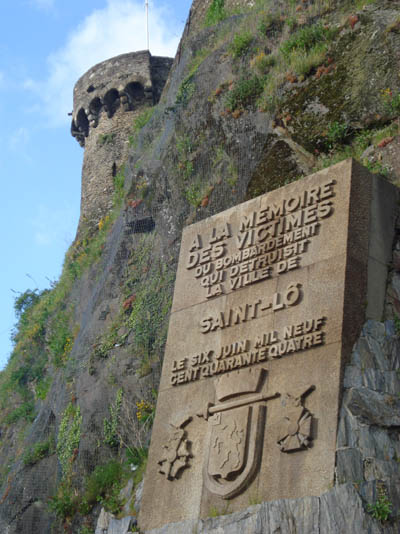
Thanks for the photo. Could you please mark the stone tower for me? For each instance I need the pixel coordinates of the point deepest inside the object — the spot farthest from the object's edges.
(106, 100)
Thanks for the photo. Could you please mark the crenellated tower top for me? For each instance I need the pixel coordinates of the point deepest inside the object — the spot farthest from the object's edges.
(106, 100)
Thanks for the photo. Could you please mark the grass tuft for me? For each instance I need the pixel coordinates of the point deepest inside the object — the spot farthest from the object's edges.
(244, 93)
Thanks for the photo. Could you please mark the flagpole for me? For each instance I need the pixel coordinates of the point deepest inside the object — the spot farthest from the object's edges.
(147, 24)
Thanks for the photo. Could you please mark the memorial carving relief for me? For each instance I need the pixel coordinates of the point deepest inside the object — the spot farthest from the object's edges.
(296, 425)
(269, 297)
(176, 452)
(235, 431)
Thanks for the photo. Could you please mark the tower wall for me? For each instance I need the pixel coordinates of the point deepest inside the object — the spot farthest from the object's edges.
(106, 100)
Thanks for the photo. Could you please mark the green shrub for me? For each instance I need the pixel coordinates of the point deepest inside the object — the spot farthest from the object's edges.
(65, 503)
(193, 194)
(42, 388)
(244, 93)
(102, 479)
(337, 133)
(112, 501)
(263, 62)
(24, 411)
(104, 486)
(39, 451)
(69, 436)
(110, 425)
(149, 313)
(377, 167)
(381, 509)
(140, 122)
(60, 338)
(215, 13)
(137, 455)
(269, 22)
(185, 91)
(291, 23)
(21, 375)
(105, 139)
(119, 192)
(25, 301)
(391, 100)
(140, 472)
(241, 44)
(302, 63)
(187, 87)
(362, 140)
(307, 38)
(184, 148)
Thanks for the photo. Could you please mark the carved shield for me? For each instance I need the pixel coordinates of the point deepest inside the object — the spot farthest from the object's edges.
(235, 433)
(234, 443)
(228, 443)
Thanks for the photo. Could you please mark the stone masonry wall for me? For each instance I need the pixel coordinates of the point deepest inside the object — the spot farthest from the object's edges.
(106, 100)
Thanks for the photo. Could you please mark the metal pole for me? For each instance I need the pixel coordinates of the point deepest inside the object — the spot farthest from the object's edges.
(147, 24)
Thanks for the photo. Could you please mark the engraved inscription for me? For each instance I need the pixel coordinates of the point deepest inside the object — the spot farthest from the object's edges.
(241, 353)
(251, 310)
(263, 244)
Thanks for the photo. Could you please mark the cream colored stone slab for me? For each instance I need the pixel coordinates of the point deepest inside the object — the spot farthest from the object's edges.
(250, 388)
(200, 242)
(322, 287)
(175, 494)
(376, 289)
(187, 352)
(382, 220)
(311, 472)
(295, 472)
(265, 237)
(328, 214)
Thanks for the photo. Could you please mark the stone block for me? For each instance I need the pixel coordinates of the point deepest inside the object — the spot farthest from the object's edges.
(270, 298)
(349, 466)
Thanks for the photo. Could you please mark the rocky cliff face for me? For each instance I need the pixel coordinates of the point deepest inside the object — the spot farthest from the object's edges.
(259, 94)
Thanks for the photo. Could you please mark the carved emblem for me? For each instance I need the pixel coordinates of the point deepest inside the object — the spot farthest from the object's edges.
(235, 431)
(295, 433)
(176, 452)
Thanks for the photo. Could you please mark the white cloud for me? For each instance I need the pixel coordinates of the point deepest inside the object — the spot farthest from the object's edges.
(52, 226)
(118, 28)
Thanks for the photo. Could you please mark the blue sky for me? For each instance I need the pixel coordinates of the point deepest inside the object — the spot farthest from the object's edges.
(45, 45)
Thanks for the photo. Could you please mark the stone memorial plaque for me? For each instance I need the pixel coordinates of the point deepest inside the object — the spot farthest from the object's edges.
(269, 298)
